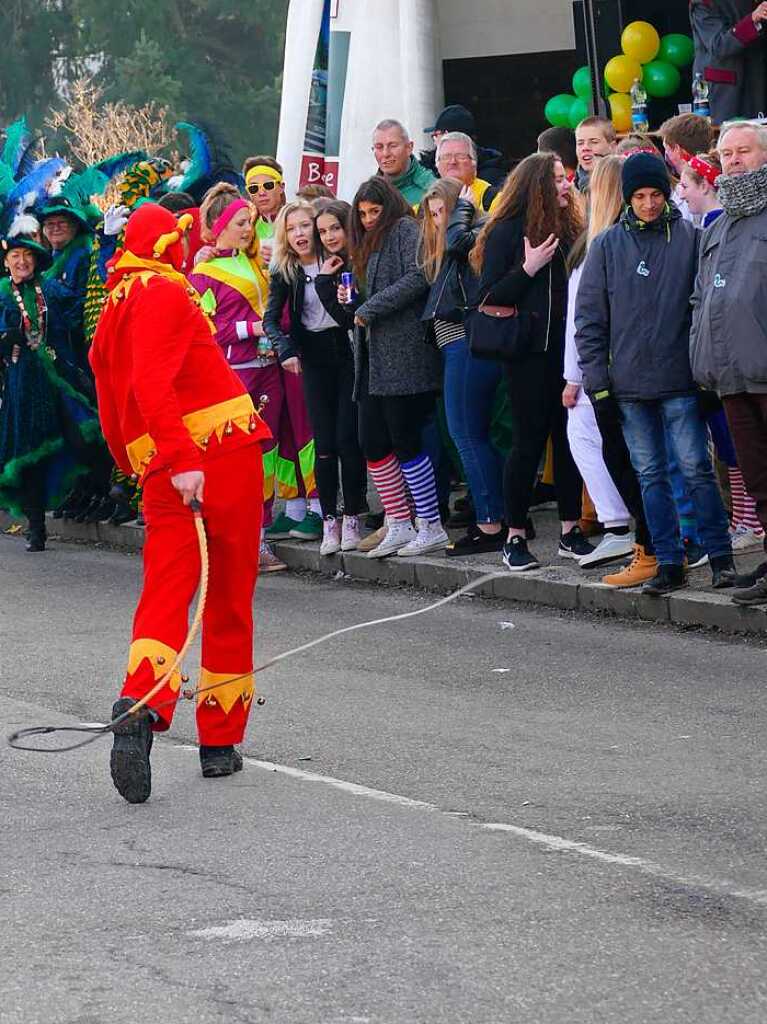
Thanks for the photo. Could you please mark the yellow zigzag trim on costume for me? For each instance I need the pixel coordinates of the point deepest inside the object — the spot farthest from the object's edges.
(217, 419)
(159, 654)
(227, 694)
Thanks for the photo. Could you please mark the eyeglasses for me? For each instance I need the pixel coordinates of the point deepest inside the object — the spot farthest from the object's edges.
(267, 186)
(459, 158)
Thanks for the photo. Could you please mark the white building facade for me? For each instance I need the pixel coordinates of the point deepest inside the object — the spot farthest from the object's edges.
(387, 59)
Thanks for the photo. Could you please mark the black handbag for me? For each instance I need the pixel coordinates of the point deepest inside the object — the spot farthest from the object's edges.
(501, 333)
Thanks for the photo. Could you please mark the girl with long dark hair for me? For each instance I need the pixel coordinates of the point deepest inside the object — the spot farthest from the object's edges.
(396, 374)
(520, 257)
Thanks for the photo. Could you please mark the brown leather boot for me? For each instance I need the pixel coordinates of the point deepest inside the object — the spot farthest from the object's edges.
(641, 568)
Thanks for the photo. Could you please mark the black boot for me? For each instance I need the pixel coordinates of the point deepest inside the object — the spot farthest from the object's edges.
(129, 760)
(723, 572)
(217, 762)
(122, 514)
(36, 534)
(667, 579)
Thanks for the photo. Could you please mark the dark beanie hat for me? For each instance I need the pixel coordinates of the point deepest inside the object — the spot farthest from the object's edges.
(643, 170)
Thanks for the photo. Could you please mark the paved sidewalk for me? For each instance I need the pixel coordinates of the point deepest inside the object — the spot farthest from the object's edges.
(559, 584)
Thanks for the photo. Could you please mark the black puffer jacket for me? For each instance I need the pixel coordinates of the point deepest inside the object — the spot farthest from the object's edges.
(633, 313)
(456, 285)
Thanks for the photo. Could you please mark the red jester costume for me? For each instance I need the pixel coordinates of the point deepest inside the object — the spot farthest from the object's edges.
(171, 407)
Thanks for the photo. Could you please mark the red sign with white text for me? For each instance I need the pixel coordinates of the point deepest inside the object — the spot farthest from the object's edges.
(317, 169)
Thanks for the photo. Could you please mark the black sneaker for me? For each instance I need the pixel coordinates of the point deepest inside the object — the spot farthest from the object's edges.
(723, 572)
(574, 545)
(667, 579)
(218, 762)
(749, 579)
(755, 594)
(694, 553)
(475, 542)
(516, 556)
(129, 761)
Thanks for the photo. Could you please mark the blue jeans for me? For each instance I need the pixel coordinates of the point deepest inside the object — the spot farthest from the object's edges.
(647, 427)
(470, 386)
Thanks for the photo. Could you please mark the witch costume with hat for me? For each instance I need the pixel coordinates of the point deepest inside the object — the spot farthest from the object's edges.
(47, 421)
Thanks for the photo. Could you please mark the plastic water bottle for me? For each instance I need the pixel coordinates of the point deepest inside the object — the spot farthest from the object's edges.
(700, 104)
(639, 122)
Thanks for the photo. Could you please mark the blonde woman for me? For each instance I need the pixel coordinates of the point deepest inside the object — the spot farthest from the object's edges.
(449, 229)
(315, 351)
(234, 288)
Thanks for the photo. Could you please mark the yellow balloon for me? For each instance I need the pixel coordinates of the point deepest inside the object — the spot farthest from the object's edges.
(620, 108)
(621, 71)
(640, 41)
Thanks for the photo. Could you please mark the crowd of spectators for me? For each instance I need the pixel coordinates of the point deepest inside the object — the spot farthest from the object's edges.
(590, 324)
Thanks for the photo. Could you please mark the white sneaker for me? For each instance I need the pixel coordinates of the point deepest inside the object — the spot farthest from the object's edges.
(331, 536)
(399, 532)
(430, 537)
(746, 539)
(350, 533)
(268, 561)
(611, 547)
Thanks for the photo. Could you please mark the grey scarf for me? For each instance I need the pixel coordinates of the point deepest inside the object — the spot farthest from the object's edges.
(743, 195)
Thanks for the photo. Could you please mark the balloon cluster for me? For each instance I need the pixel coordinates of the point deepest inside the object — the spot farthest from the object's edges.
(655, 61)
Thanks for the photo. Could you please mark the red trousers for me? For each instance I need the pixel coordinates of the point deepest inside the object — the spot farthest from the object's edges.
(232, 509)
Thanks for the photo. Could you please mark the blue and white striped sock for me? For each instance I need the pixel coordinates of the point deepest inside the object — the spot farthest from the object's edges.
(419, 477)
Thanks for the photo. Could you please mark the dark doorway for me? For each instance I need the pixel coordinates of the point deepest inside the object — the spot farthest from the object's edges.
(507, 95)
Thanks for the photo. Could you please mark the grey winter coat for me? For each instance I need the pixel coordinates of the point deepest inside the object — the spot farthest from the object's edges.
(392, 357)
(728, 342)
(730, 54)
(632, 313)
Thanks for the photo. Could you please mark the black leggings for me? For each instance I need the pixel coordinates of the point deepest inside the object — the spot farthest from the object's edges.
(333, 415)
(394, 423)
(535, 396)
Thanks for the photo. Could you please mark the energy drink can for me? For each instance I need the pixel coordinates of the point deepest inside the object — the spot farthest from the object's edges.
(347, 282)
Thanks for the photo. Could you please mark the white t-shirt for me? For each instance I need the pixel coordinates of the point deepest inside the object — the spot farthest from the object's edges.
(314, 316)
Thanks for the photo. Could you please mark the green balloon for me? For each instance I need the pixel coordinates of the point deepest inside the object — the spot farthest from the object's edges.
(677, 49)
(579, 109)
(557, 110)
(661, 79)
(582, 83)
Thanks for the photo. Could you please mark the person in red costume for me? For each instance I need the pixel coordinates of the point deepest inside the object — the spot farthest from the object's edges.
(175, 415)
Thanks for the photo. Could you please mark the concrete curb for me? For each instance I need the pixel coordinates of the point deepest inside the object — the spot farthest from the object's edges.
(549, 587)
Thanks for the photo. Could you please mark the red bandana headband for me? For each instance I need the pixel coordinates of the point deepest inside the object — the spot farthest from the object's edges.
(706, 170)
(226, 215)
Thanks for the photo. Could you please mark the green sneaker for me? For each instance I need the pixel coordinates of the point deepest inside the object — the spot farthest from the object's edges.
(281, 528)
(310, 528)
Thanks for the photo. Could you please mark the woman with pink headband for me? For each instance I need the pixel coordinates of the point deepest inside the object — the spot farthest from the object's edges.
(234, 287)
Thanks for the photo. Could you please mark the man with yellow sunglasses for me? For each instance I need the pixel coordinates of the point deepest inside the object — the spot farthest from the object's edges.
(266, 191)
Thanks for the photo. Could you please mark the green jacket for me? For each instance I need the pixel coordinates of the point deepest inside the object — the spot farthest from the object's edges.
(414, 182)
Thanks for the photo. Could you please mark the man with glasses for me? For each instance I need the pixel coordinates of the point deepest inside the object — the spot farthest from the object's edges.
(491, 165)
(266, 189)
(393, 152)
(457, 158)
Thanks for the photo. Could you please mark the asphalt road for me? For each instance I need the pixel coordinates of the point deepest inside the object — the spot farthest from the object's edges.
(489, 815)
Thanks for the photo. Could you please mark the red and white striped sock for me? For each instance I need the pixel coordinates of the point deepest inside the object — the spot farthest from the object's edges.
(743, 505)
(390, 484)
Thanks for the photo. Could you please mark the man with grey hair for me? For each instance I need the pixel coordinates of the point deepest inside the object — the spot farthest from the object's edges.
(728, 342)
(457, 158)
(393, 152)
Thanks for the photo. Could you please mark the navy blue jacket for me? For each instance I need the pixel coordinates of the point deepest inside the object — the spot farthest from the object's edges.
(633, 312)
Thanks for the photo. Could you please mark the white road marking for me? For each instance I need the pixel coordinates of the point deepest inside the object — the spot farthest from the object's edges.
(243, 929)
(719, 886)
(724, 887)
